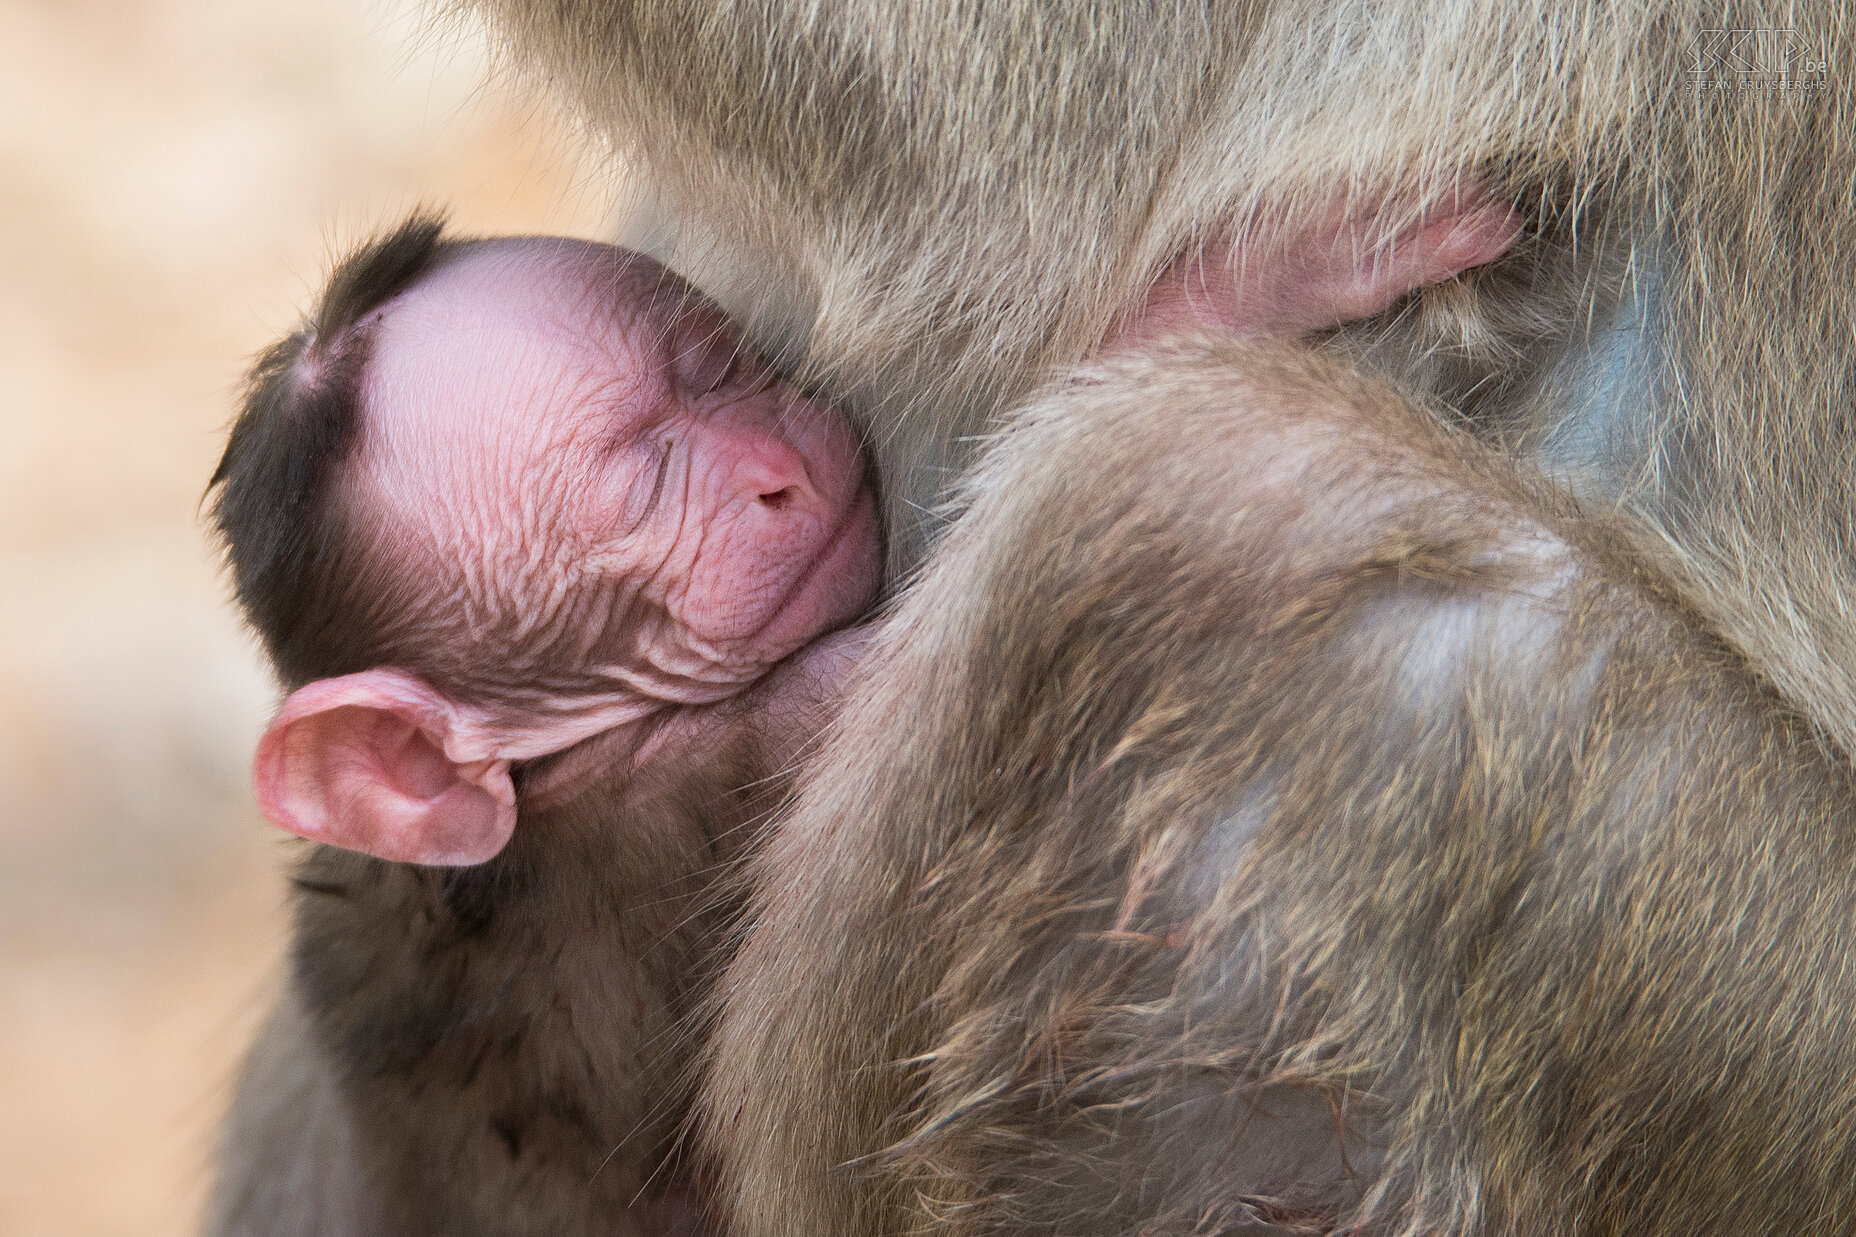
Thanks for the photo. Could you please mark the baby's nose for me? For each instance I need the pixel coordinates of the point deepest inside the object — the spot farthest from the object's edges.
(770, 472)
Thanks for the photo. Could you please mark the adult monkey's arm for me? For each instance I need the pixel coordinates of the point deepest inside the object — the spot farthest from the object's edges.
(1283, 812)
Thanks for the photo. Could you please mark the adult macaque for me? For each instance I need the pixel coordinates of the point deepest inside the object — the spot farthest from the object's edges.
(1521, 841)
(528, 534)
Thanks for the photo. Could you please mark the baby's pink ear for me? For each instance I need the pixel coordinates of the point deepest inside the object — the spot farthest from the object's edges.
(360, 762)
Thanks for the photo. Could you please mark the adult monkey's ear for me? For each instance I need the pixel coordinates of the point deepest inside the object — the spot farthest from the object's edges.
(381, 763)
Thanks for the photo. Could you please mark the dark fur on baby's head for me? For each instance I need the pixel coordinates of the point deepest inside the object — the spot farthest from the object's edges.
(292, 545)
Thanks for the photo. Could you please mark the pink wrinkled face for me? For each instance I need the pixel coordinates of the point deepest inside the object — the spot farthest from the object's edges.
(586, 465)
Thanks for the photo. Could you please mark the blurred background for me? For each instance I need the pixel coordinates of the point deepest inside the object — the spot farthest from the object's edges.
(174, 177)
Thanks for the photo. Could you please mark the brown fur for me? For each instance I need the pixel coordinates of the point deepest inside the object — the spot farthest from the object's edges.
(501, 1049)
(1286, 750)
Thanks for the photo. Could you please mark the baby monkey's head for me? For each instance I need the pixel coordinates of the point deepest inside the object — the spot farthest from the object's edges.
(541, 480)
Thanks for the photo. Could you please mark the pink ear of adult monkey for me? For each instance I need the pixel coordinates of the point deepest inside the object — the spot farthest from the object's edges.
(381, 763)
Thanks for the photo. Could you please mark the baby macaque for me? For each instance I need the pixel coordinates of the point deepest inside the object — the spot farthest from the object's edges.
(550, 564)
(529, 534)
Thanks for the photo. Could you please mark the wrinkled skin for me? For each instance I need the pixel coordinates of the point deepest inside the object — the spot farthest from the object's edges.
(544, 415)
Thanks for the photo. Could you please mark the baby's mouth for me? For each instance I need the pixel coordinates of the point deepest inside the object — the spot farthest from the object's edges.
(835, 586)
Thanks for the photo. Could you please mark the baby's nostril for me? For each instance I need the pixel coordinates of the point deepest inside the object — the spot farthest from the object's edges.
(780, 499)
